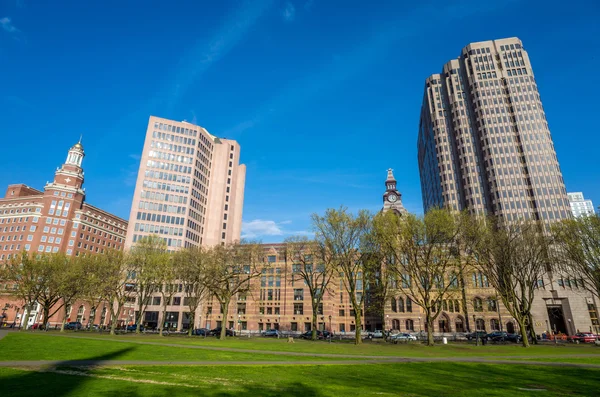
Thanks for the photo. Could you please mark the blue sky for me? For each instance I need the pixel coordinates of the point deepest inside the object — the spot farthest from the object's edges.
(323, 96)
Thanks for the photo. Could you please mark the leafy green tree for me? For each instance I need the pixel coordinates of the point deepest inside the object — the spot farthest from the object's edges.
(311, 267)
(577, 249)
(145, 261)
(21, 272)
(421, 255)
(514, 257)
(190, 266)
(229, 272)
(342, 235)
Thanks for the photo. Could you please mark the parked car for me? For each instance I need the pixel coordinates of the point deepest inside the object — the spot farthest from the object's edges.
(320, 335)
(402, 337)
(133, 328)
(584, 337)
(272, 333)
(74, 325)
(375, 334)
(501, 336)
(476, 334)
(201, 332)
(217, 332)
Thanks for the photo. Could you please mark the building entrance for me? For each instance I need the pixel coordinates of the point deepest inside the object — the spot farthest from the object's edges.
(557, 319)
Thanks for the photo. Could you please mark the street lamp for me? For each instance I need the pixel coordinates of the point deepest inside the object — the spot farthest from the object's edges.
(330, 329)
(239, 324)
(419, 327)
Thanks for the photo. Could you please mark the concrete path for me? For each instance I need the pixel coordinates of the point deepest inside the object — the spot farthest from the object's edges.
(104, 363)
(3, 333)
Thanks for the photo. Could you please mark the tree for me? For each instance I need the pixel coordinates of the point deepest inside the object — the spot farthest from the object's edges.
(22, 273)
(341, 236)
(57, 283)
(166, 280)
(514, 257)
(95, 279)
(190, 266)
(420, 249)
(72, 283)
(144, 262)
(577, 248)
(229, 272)
(310, 266)
(466, 238)
(118, 283)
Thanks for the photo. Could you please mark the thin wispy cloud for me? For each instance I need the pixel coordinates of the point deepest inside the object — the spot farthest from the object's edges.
(344, 66)
(269, 228)
(7, 25)
(289, 12)
(205, 53)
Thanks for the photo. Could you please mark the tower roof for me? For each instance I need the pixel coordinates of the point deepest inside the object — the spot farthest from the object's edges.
(390, 175)
(78, 146)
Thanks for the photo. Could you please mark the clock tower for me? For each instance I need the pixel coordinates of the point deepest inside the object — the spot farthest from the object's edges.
(392, 199)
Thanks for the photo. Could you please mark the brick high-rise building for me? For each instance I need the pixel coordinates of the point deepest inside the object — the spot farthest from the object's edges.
(484, 143)
(55, 220)
(484, 146)
(190, 187)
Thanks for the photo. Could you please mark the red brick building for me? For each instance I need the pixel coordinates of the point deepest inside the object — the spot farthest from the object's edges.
(56, 219)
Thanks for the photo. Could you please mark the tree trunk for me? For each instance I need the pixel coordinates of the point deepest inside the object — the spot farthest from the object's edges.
(26, 318)
(465, 306)
(523, 330)
(64, 321)
(140, 316)
(46, 312)
(357, 321)
(193, 325)
(225, 311)
(429, 321)
(92, 317)
(161, 325)
(113, 320)
(314, 324)
(531, 330)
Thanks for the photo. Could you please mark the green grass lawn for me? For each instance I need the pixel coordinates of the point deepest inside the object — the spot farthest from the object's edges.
(422, 379)
(378, 348)
(41, 346)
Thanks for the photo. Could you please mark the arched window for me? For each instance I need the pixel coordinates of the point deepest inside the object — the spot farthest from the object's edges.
(394, 307)
(410, 325)
(459, 324)
(444, 323)
(408, 305)
(401, 305)
(396, 324)
(80, 312)
(456, 306)
(492, 304)
(477, 305)
(480, 324)
(445, 305)
(103, 316)
(494, 324)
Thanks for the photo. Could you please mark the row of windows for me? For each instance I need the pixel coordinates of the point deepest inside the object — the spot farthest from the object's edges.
(173, 220)
(19, 211)
(184, 169)
(170, 157)
(178, 130)
(174, 148)
(173, 209)
(171, 198)
(158, 229)
(169, 241)
(165, 186)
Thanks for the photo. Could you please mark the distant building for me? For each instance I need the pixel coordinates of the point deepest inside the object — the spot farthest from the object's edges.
(190, 187)
(55, 220)
(484, 144)
(579, 205)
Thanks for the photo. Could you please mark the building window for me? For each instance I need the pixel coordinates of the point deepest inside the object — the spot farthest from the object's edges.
(410, 325)
(477, 305)
(298, 308)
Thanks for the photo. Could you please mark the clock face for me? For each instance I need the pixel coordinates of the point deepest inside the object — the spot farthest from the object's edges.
(392, 198)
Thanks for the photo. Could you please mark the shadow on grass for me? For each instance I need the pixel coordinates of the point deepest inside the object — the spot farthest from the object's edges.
(44, 380)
